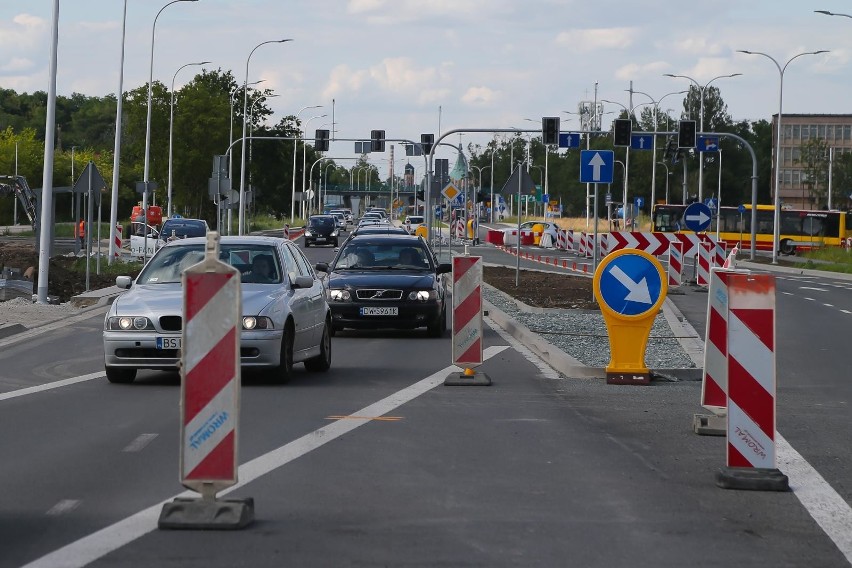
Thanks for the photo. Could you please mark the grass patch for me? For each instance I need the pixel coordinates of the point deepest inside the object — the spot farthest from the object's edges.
(833, 259)
(114, 269)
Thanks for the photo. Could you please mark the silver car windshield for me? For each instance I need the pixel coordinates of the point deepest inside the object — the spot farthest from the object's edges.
(258, 264)
(373, 256)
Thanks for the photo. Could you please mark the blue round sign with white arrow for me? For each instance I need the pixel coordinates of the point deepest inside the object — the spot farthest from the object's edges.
(630, 283)
(697, 217)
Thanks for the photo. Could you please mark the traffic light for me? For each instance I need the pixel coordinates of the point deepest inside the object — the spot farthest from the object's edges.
(671, 150)
(321, 141)
(427, 140)
(686, 134)
(550, 130)
(621, 131)
(377, 140)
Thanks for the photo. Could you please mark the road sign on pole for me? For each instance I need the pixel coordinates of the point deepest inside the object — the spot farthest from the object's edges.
(596, 166)
(708, 143)
(642, 141)
(697, 217)
(569, 139)
(630, 287)
(210, 395)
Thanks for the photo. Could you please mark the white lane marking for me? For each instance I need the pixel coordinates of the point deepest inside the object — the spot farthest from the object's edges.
(51, 386)
(788, 293)
(139, 443)
(809, 299)
(846, 311)
(64, 506)
(828, 305)
(547, 371)
(111, 538)
(831, 512)
(812, 288)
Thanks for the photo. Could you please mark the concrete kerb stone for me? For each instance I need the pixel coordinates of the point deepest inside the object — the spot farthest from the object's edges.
(96, 298)
(792, 270)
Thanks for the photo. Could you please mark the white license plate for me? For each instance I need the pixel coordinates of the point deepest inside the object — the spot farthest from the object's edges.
(389, 311)
(320, 239)
(168, 343)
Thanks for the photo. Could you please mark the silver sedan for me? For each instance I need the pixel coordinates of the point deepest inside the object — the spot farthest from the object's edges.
(286, 318)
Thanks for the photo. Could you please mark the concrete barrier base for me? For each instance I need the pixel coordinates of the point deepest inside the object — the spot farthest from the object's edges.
(461, 380)
(206, 514)
(752, 479)
(710, 425)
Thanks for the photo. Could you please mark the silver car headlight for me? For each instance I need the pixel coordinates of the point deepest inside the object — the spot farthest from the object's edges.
(337, 295)
(128, 323)
(309, 233)
(423, 295)
(334, 233)
(257, 322)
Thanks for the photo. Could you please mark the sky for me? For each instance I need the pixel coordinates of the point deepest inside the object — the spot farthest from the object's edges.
(429, 66)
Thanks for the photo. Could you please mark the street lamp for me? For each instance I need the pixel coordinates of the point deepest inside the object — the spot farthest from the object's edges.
(654, 143)
(171, 135)
(776, 232)
(251, 130)
(827, 13)
(701, 120)
(667, 184)
(242, 219)
(295, 151)
(147, 167)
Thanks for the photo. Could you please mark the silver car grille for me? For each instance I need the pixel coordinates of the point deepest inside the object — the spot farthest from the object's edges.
(378, 294)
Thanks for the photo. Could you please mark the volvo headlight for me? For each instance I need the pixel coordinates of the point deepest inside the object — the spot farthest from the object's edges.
(337, 295)
(334, 233)
(309, 233)
(257, 322)
(423, 295)
(129, 323)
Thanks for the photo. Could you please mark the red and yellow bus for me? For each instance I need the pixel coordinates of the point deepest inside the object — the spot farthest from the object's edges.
(800, 228)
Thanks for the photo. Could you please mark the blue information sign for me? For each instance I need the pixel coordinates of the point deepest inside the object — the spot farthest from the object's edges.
(708, 143)
(697, 217)
(596, 166)
(741, 208)
(640, 201)
(642, 141)
(569, 139)
(545, 198)
(630, 284)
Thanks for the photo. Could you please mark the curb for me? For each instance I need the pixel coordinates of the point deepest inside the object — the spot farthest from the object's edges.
(791, 270)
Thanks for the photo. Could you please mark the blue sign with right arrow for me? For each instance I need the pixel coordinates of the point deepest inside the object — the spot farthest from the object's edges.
(697, 217)
(596, 166)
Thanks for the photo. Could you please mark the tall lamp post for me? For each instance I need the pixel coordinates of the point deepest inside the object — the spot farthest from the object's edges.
(147, 168)
(296, 151)
(776, 231)
(701, 90)
(171, 135)
(479, 169)
(242, 219)
(654, 144)
(251, 132)
(667, 181)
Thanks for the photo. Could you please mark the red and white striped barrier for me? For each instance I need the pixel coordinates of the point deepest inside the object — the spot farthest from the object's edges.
(570, 240)
(675, 268)
(657, 243)
(705, 262)
(751, 370)
(117, 241)
(603, 244)
(721, 253)
(286, 230)
(581, 244)
(210, 369)
(467, 311)
(458, 229)
(561, 239)
(210, 397)
(510, 237)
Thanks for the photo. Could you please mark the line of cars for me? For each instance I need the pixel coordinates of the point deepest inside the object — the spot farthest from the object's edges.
(381, 277)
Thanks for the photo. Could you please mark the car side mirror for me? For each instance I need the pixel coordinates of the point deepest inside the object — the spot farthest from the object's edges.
(123, 282)
(303, 282)
(322, 266)
(444, 268)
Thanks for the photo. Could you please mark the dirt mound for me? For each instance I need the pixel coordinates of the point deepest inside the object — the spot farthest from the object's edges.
(65, 279)
(543, 289)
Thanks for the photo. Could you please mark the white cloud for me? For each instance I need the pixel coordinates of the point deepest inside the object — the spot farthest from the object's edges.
(395, 12)
(597, 38)
(16, 64)
(479, 96)
(23, 31)
(636, 71)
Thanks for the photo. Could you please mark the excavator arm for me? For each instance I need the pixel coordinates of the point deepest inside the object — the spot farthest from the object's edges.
(18, 186)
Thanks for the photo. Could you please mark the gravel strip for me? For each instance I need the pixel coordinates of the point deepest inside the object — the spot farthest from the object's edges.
(582, 334)
(29, 314)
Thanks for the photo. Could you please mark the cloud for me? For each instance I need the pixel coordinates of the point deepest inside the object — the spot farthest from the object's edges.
(16, 64)
(23, 31)
(597, 38)
(635, 70)
(394, 12)
(479, 96)
(399, 77)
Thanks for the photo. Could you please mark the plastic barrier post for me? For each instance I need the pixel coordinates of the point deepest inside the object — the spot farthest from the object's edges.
(751, 386)
(467, 321)
(210, 397)
(117, 239)
(705, 258)
(675, 268)
(286, 230)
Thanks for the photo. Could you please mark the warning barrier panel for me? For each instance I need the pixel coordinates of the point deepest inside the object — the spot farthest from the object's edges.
(705, 262)
(751, 370)
(117, 241)
(675, 268)
(467, 311)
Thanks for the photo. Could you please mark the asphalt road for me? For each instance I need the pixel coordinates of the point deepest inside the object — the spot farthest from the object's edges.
(535, 470)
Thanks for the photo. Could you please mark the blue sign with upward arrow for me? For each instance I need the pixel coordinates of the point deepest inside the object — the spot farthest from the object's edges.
(569, 139)
(697, 217)
(642, 142)
(630, 284)
(596, 166)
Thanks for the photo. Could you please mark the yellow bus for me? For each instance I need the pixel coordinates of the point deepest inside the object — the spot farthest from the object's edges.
(800, 228)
